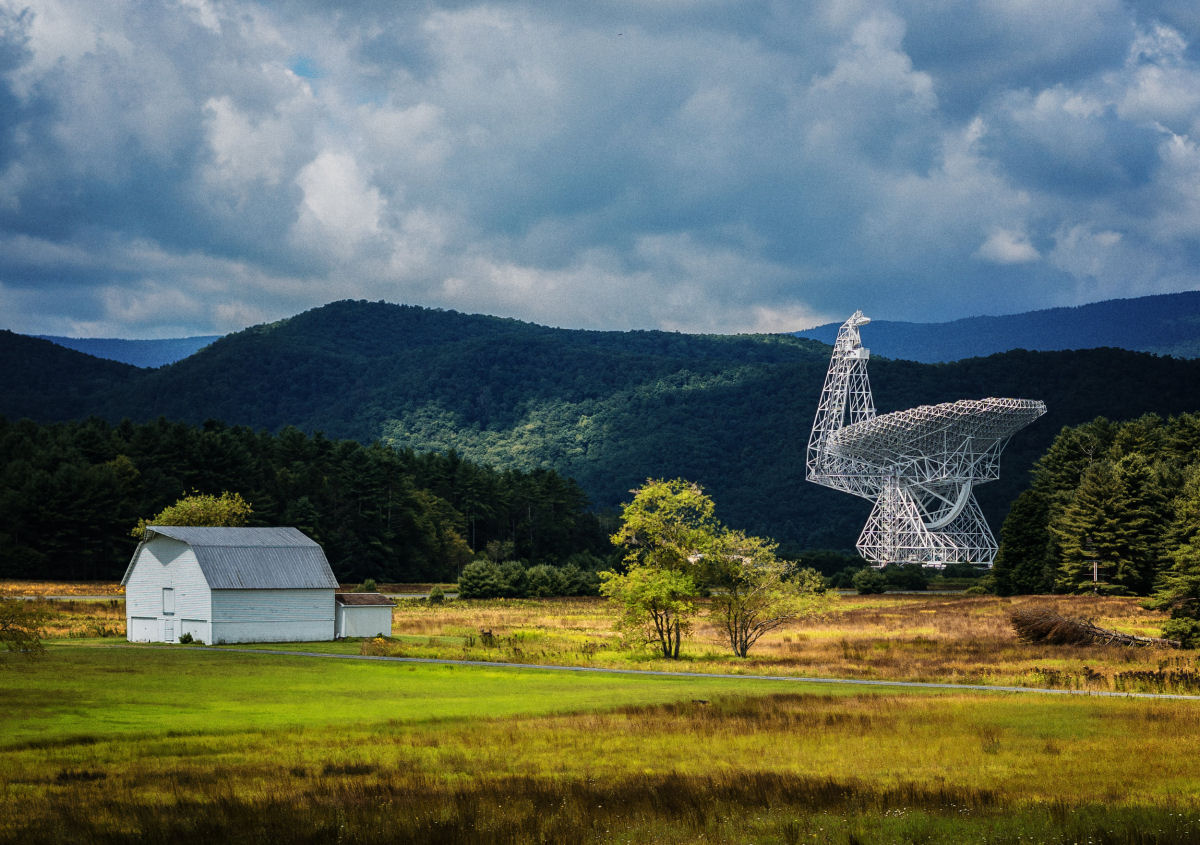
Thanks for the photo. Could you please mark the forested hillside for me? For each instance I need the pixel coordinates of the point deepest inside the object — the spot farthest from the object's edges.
(608, 409)
(71, 492)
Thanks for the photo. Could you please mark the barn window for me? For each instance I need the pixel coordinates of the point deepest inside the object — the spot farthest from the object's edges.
(168, 600)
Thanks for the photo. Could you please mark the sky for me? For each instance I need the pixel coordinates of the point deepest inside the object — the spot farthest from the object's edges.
(195, 167)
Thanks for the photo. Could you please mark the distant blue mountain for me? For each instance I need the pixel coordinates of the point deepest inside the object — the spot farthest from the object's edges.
(1168, 324)
(139, 353)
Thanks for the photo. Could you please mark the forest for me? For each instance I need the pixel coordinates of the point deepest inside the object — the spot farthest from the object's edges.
(70, 494)
(1113, 508)
(607, 409)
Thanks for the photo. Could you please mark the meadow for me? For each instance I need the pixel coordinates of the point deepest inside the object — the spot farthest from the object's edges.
(107, 742)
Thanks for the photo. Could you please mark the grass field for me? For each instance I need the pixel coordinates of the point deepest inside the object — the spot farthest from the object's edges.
(106, 742)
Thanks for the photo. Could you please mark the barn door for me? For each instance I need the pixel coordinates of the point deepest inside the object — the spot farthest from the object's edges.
(169, 630)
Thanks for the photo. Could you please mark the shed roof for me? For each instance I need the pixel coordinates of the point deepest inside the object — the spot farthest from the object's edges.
(363, 599)
(280, 558)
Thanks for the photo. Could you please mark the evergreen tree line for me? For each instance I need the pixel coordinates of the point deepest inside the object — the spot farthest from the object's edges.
(70, 493)
(1112, 508)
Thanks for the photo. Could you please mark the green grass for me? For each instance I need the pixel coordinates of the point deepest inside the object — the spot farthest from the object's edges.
(90, 691)
(179, 744)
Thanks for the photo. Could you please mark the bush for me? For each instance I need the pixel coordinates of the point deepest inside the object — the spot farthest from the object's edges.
(481, 579)
(580, 582)
(869, 581)
(543, 580)
(906, 576)
(367, 586)
(436, 595)
(185, 637)
(512, 574)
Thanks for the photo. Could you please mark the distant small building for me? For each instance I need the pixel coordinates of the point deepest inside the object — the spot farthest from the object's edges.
(363, 615)
(230, 585)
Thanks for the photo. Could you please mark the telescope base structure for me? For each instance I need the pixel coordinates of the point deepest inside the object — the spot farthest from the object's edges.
(919, 466)
(896, 532)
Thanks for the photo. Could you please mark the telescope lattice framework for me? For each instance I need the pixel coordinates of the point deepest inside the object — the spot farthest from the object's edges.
(919, 466)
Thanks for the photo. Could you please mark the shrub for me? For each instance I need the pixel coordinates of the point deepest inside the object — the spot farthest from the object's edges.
(185, 637)
(580, 582)
(367, 586)
(543, 580)
(906, 576)
(512, 574)
(481, 579)
(436, 595)
(868, 581)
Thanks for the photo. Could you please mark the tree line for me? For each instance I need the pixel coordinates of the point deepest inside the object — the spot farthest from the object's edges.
(1112, 508)
(70, 493)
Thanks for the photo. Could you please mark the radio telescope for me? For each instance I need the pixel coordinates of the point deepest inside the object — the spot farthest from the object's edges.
(919, 466)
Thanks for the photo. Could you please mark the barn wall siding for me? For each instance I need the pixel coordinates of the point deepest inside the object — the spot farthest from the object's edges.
(364, 621)
(163, 562)
(241, 616)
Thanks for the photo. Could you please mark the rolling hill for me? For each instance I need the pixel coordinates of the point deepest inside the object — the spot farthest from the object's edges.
(607, 408)
(1168, 324)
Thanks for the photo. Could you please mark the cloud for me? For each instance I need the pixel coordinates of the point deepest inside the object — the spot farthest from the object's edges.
(188, 167)
(1004, 246)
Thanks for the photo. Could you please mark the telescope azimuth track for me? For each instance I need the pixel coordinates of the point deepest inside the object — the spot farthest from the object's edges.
(919, 466)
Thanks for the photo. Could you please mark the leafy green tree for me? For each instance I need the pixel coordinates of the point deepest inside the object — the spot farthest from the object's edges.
(227, 509)
(754, 591)
(21, 628)
(665, 530)
(658, 605)
(666, 525)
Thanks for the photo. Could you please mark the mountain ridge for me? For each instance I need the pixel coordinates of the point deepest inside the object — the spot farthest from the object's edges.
(1162, 324)
(609, 409)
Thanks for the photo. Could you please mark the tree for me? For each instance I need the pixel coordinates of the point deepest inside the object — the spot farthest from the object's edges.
(21, 627)
(227, 509)
(1024, 563)
(1178, 588)
(658, 605)
(665, 531)
(754, 591)
(1111, 523)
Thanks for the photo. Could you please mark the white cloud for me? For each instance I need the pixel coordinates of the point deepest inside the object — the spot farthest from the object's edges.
(1005, 246)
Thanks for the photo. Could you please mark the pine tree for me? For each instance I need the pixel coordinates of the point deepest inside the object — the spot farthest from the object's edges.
(1178, 589)
(1024, 563)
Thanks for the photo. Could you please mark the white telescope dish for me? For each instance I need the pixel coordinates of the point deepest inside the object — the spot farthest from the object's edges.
(919, 466)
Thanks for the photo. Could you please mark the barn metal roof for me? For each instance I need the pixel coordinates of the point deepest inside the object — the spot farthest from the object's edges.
(280, 558)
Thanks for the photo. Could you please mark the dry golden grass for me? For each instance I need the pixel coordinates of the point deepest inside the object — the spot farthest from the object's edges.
(942, 638)
(60, 588)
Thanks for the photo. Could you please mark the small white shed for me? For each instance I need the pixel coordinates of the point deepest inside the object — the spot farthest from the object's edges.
(228, 585)
(363, 615)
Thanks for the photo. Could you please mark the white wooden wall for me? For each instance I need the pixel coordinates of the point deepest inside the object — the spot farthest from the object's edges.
(164, 562)
(364, 621)
(261, 616)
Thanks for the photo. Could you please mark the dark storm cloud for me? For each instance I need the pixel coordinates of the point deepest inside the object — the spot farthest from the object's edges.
(196, 166)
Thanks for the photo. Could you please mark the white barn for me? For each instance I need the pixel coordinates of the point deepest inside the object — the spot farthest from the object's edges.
(230, 585)
(363, 615)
